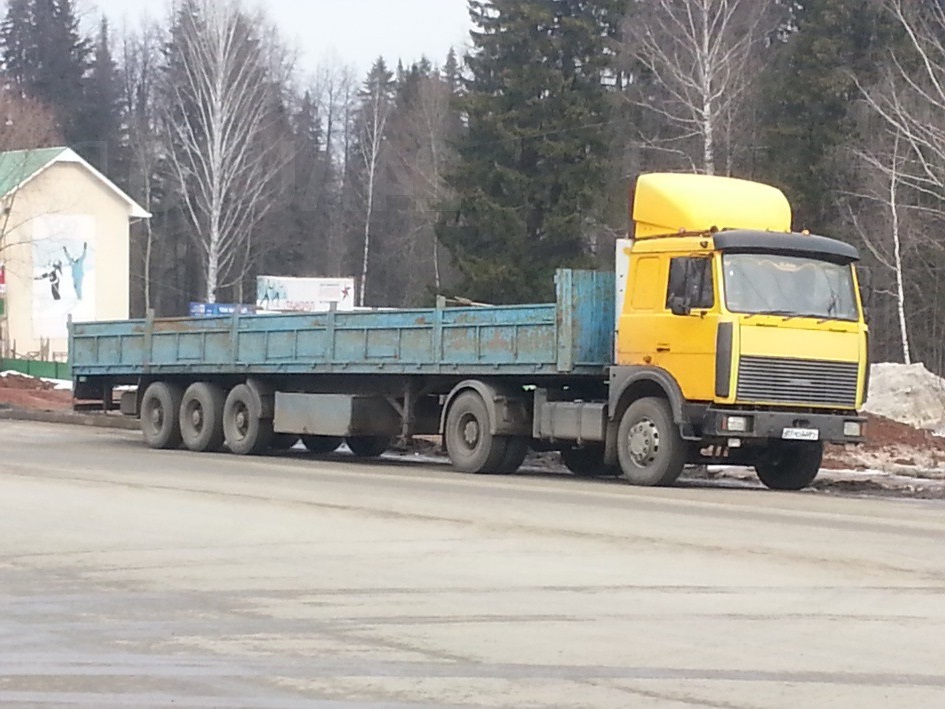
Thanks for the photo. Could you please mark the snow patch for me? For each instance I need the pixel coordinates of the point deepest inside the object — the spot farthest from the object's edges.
(909, 394)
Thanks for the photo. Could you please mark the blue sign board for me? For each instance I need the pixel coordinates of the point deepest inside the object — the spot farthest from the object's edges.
(216, 310)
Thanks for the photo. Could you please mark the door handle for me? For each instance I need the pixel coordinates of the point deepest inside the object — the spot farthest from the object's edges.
(663, 348)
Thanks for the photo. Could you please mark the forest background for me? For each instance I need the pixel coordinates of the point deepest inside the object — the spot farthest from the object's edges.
(477, 174)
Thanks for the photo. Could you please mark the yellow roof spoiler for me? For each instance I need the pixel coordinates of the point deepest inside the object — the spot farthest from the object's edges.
(664, 204)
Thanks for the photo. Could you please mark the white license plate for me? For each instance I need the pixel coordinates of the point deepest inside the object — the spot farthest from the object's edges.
(801, 434)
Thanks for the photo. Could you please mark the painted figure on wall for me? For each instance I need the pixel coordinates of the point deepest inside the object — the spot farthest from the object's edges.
(78, 268)
(53, 274)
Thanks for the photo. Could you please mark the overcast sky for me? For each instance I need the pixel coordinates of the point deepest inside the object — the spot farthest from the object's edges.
(354, 31)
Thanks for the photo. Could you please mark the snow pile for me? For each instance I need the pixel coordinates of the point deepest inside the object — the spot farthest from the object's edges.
(909, 394)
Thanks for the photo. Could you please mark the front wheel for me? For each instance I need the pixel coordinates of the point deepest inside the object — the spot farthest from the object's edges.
(649, 444)
(790, 465)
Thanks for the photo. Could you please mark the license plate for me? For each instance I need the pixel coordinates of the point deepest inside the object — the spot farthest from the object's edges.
(801, 434)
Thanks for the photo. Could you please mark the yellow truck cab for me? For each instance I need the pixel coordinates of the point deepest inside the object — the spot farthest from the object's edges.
(756, 333)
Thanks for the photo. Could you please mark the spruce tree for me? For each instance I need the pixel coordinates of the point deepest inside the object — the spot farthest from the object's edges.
(101, 128)
(810, 91)
(533, 160)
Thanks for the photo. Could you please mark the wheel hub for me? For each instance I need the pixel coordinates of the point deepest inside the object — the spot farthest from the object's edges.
(644, 443)
(157, 417)
(471, 433)
(196, 416)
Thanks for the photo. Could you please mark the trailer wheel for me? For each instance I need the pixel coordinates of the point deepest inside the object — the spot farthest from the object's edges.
(283, 441)
(245, 431)
(160, 415)
(368, 446)
(588, 462)
(468, 436)
(516, 449)
(321, 445)
(201, 417)
(649, 446)
(790, 465)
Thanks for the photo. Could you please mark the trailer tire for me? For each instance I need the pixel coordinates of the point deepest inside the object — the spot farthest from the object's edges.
(516, 449)
(283, 441)
(201, 417)
(790, 466)
(160, 415)
(468, 436)
(588, 462)
(368, 446)
(246, 432)
(649, 445)
(321, 445)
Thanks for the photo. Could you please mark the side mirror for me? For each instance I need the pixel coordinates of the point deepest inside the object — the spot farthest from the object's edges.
(679, 305)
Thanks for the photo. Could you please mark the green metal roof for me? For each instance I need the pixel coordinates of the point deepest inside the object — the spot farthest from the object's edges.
(19, 165)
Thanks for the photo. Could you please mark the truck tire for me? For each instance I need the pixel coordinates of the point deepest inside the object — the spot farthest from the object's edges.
(368, 446)
(201, 417)
(283, 441)
(160, 415)
(790, 465)
(321, 445)
(246, 433)
(516, 449)
(468, 436)
(588, 462)
(649, 445)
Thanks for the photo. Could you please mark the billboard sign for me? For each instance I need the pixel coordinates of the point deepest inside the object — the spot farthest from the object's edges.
(278, 294)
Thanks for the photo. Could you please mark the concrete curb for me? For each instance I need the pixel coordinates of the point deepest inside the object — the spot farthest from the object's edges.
(70, 418)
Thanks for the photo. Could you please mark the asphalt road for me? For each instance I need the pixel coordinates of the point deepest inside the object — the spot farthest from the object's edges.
(131, 577)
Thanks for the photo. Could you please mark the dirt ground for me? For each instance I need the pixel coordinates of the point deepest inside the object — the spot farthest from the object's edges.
(34, 394)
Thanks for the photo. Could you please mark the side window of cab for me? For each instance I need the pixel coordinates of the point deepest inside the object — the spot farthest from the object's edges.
(691, 285)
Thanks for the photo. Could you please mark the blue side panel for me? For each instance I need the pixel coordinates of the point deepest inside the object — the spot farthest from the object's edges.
(575, 334)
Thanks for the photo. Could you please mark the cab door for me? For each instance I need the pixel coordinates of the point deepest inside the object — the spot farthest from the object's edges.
(670, 320)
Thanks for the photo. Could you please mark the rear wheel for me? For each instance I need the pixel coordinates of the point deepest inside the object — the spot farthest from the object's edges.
(368, 446)
(321, 445)
(245, 431)
(790, 465)
(516, 449)
(160, 415)
(649, 445)
(201, 417)
(471, 446)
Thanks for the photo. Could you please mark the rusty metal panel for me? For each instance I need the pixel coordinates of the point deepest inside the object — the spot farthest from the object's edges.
(575, 334)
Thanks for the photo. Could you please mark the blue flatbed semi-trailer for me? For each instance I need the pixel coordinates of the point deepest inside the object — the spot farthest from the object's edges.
(255, 382)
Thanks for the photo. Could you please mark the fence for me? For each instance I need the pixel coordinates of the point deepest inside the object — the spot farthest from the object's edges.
(36, 368)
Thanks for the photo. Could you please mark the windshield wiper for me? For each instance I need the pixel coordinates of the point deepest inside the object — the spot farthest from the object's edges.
(786, 314)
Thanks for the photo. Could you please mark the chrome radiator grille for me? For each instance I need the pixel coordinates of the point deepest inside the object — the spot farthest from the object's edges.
(797, 381)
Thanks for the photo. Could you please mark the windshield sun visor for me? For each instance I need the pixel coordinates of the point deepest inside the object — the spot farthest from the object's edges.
(820, 247)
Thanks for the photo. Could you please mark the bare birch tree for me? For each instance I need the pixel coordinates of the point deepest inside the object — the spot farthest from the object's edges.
(225, 160)
(25, 126)
(375, 112)
(140, 67)
(699, 54)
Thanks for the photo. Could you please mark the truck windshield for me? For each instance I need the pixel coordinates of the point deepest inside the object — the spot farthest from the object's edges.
(792, 286)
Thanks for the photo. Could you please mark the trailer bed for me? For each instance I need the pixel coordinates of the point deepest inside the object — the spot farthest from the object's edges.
(574, 335)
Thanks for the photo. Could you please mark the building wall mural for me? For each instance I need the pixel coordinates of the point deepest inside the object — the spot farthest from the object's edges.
(63, 273)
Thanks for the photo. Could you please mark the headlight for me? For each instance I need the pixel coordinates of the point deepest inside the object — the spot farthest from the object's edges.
(852, 429)
(735, 424)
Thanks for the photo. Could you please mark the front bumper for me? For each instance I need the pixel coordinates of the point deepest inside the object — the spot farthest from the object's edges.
(772, 424)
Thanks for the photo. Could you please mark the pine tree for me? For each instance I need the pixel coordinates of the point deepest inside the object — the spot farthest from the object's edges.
(47, 58)
(810, 92)
(101, 127)
(533, 160)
